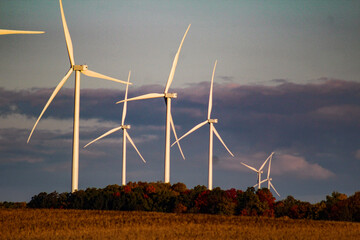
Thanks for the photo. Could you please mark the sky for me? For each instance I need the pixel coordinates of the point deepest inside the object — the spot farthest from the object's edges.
(287, 80)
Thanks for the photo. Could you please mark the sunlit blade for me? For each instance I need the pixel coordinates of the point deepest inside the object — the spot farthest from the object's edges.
(265, 162)
(132, 143)
(249, 167)
(218, 135)
(67, 36)
(262, 181)
(7, 31)
(268, 175)
(191, 130)
(56, 90)
(176, 58)
(271, 185)
(211, 91)
(104, 135)
(125, 103)
(98, 75)
(176, 138)
(142, 97)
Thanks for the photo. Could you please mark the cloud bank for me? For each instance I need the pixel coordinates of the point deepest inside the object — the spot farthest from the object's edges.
(313, 128)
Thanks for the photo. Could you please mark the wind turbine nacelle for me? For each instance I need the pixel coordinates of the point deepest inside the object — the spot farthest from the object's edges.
(80, 67)
(171, 95)
(126, 126)
(213, 120)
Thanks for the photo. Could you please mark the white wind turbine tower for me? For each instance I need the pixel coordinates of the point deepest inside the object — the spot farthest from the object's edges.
(212, 130)
(268, 179)
(125, 135)
(78, 69)
(169, 120)
(259, 171)
(7, 32)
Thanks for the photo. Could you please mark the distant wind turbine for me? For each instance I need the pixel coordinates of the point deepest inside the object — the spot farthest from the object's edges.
(7, 32)
(78, 69)
(259, 171)
(125, 135)
(169, 120)
(212, 130)
(268, 179)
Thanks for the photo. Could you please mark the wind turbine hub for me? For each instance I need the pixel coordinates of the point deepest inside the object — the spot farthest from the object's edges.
(212, 120)
(126, 126)
(170, 95)
(80, 67)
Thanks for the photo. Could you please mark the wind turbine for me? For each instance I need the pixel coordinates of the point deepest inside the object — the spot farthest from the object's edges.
(259, 171)
(7, 31)
(169, 120)
(211, 122)
(268, 179)
(78, 69)
(125, 135)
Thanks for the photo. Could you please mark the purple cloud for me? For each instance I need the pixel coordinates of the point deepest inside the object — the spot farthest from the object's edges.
(313, 127)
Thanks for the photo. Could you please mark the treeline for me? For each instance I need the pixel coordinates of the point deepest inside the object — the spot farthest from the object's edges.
(161, 197)
(13, 205)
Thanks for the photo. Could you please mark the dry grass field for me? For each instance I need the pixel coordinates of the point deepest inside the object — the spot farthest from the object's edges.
(91, 224)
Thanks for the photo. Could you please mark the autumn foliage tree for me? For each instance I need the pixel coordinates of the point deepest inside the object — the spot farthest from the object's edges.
(163, 197)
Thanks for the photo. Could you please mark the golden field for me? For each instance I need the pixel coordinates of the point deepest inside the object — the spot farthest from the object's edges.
(93, 224)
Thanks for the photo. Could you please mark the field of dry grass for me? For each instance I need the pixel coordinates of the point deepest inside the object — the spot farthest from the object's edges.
(91, 224)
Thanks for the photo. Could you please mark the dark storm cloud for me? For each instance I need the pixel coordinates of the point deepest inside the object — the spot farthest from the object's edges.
(329, 102)
(313, 128)
(316, 124)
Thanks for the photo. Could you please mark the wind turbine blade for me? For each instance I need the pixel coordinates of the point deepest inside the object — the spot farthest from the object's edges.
(67, 36)
(145, 96)
(176, 58)
(249, 167)
(269, 168)
(125, 103)
(7, 31)
(133, 144)
(262, 181)
(191, 130)
(56, 90)
(265, 162)
(271, 185)
(176, 138)
(104, 135)
(255, 185)
(98, 75)
(211, 91)
(218, 135)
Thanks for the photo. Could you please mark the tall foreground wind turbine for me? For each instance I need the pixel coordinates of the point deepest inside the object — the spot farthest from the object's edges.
(211, 122)
(125, 135)
(7, 31)
(169, 120)
(78, 69)
(259, 171)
